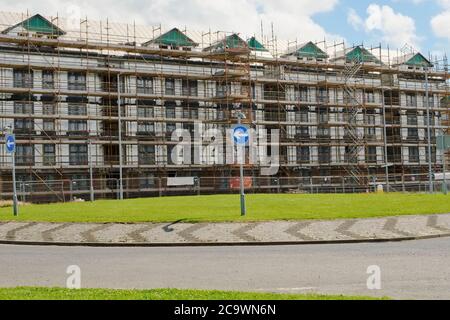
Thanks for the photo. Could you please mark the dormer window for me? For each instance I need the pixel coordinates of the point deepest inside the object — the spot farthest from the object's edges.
(172, 40)
(37, 26)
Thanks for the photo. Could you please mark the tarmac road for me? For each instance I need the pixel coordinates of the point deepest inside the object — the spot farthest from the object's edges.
(410, 270)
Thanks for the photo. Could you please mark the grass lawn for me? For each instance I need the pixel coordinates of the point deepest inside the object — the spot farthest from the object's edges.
(159, 294)
(223, 208)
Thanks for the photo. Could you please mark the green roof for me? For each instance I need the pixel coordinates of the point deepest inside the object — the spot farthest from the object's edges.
(231, 42)
(310, 50)
(419, 60)
(362, 55)
(255, 45)
(174, 38)
(38, 24)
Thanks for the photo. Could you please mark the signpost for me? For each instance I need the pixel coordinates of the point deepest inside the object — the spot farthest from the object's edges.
(10, 143)
(443, 144)
(241, 138)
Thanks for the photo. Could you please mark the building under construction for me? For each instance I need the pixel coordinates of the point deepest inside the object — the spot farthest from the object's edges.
(95, 103)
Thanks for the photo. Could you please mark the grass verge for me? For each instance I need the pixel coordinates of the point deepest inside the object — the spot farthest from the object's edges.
(29, 293)
(226, 208)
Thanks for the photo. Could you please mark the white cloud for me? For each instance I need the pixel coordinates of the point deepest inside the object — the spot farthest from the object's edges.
(441, 22)
(392, 27)
(292, 18)
(354, 19)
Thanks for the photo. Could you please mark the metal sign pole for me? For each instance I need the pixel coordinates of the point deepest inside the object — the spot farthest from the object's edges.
(10, 144)
(15, 202)
(443, 144)
(241, 138)
(429, 114)
(119, 107)
(91, 175)
(445, 174)
(243, 206)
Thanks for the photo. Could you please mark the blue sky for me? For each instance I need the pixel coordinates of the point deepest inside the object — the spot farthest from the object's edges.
(420, 11)
(423, 24)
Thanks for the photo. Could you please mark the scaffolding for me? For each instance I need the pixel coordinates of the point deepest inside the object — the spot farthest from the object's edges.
(100, 104)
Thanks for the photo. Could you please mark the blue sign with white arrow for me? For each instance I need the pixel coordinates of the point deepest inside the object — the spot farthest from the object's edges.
(241, 135)
(10, 143)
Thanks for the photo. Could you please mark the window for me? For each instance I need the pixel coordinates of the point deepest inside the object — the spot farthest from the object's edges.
(48, 125)
(170, 128)
(351, 155)
(303, 154)
(414, 154)
(323, 132)
(49, 154)
(48, 81)
(411, 100)
(370, 121)
(76, 81)
(146, 127)
(433, 155)
(322, 95)
(170, 112)
(146, 155)
(144, 85)
(302, 115)
(77, 109)
(190, 88)
(371, 154)
(77, 127)
(190, 113)
(323, 116)
(222, 89)
(412, 119)
(24, 155)
(78, 154)
(324, 154)
(80, 182)
(189, 127)
(49, 109)
(430, 101)
(301, 94)
(348, 98)
(146, 112)
(24, 125)
(370, 97)
(302, 132)
(431, 117)
(170, 87)
(23, 78)
(24, 107)
(147, 181)
(413, 133)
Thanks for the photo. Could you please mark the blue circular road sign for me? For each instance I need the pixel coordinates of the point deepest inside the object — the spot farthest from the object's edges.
(10, 143)
(241, 135)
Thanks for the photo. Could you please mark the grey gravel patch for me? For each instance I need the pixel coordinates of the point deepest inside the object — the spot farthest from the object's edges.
(434, 223)
(344, 229)
(391, 226)
(242, 232)
(89, 235)
(137, 235)
(296, 231)
(48, 234)
(11, 234)
(187, 234)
